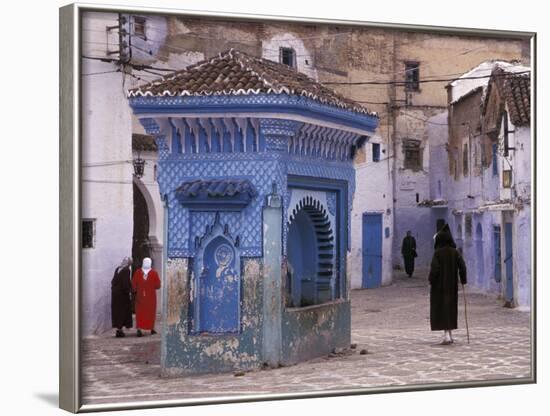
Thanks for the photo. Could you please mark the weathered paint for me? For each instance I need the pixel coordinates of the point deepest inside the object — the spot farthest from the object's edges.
(315, 330)
(187, 353)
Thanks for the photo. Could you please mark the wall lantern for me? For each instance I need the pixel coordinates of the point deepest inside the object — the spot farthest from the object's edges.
(139, 166)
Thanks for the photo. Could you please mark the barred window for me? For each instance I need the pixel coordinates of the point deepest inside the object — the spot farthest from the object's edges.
(139, 26)
(412, 76)
(413, 154)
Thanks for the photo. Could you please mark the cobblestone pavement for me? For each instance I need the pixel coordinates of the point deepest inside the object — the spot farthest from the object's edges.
(391, 323)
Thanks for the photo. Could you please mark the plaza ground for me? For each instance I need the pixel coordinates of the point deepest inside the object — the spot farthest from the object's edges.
(391, 323)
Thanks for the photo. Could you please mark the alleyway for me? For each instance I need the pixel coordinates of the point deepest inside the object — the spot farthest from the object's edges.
(391, 323)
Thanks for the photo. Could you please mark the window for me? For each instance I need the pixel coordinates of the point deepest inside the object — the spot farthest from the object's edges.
(139, 26)
(506, 178)
(506, 134)
(376, 152)
(465, 157)
(88, 233)
(287, 56)
(412, 76)
(412, 152)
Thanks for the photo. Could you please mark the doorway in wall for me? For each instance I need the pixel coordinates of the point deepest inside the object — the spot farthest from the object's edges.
(141, 246)
(372, 250)
(480, 259)
(508, 264)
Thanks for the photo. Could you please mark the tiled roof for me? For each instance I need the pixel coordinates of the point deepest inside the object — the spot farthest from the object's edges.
(216, 188)
(236, 73)
(143, 142)
(515, 88)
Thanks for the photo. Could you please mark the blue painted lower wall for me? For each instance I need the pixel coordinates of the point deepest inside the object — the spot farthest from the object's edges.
(183, 353)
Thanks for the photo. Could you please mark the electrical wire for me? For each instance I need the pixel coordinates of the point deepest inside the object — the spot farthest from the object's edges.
(404, 83)
(101, 73)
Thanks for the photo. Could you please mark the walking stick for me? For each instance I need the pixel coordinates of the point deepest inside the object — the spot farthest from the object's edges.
(466, 314)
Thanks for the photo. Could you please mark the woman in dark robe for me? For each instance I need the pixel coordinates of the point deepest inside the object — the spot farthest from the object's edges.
(121, 298)
(408, 250)
(446, 268)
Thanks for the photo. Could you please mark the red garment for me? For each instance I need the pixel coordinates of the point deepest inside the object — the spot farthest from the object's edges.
(145, 298)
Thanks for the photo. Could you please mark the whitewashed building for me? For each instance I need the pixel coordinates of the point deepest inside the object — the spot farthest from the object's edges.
(481, 177)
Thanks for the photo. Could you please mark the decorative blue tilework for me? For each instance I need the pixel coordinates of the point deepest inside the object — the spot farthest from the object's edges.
(150, 125)
(261, 103)
(284, 147)
(331, 202)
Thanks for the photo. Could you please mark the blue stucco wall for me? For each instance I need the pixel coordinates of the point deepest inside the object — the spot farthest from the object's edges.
(269, 154)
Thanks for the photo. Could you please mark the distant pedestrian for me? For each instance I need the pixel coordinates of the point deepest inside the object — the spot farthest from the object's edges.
(121, 297)
(446, 268)
(145, 284)
(408, 250)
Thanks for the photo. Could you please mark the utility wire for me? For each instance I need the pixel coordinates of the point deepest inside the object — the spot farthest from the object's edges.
(136, 66)
(423, 81)
(101, 73)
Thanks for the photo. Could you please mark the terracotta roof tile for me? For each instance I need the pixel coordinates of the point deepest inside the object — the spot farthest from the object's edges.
(236, 73)
(516, 90)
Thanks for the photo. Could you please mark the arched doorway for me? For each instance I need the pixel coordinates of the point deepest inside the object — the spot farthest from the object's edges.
(480, 259)
(141, 246)
(311, 254)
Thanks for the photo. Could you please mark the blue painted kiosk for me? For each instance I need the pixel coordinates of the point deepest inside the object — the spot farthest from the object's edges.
(255, 171)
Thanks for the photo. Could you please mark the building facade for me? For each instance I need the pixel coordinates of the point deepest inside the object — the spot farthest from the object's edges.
(485, 170)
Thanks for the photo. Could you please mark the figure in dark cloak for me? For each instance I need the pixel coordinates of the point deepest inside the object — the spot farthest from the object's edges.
(408, 250)
(121, 298)
(446, 269)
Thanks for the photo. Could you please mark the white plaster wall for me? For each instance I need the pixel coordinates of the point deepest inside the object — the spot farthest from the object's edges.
(106, 173)
(438, 137)
(408, 215)
(482, 188)
(522, 257)
(522, 225)
(373, 193)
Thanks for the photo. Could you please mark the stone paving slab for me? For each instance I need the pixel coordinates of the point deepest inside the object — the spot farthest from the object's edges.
(391, 323)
